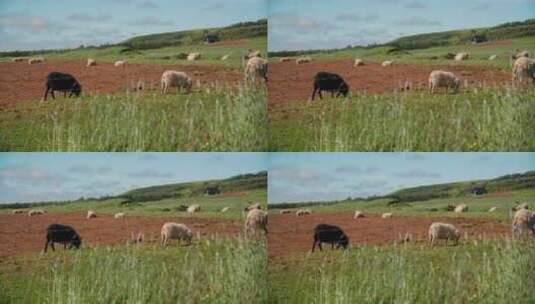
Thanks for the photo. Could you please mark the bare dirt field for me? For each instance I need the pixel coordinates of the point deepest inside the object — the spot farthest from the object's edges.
(291, 82)
(21, 234)
(289, 234)
(20, 81)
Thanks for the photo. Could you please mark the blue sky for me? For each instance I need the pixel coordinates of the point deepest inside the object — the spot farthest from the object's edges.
(298, 177)
(28, 177)
(315, 24)
(52, 24)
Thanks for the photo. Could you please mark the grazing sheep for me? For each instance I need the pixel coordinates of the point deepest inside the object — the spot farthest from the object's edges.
(443, 231)
(176, 231)
(35, 60)
(225, 209)
(65, 235)
(492, 209)
(329, 234)
(358, 214)
(330, 82)
(285, 211)
(177, 79)
(120, 63)
(302, 212)
(62, 82)
(521, 206)
(256, 221)
(194, 208)
(256, 68)
(119, 215)
(17, 211)
(91, 214)
(36, 212)
(523, 53)
(444, 79)
(387, 63)
(194, 56)
(523, 69)
(524, 220)
(303, 60)
(461, 56)
(285, 59)
(91, 62)
(386, 215)
(461, 208)
(492, 57)
(358, 62)
(253, 54)
(17, 59)
(225, 57)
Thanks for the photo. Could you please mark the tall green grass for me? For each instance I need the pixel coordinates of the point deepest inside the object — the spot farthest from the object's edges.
(209, 271)
(212, 119)
(479, 119)
(482, 271)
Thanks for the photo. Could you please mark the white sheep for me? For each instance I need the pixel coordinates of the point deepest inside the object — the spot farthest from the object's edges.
(303, 60)
(285, 211)
(521, 206)
(492, 209)
(91, 62)
(253, 206)
(285, 59)
(177, 79)
(91, 214)
(194, 208)
(387, 63)
(194, 56)
(17, 211)
(35, 60)
(256, 68)
(225, 57)
(461, 208)
(492, 57)
(461, 56)
(302, 212)
(253, 54)
(256, 221)
(443, 231)
(523, 53)
(386, 215)
(120, 63)
(17, 59)
(445, 79)
(119, 215)
(225, 209)
(36, 212)
(358, 62)
(523, 69)
(358, 214)
(175, 231)
(524, 220)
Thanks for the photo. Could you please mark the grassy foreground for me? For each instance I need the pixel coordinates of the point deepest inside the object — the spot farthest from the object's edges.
(479, 271)
(213, 119)
(209, 271)
(479, 119)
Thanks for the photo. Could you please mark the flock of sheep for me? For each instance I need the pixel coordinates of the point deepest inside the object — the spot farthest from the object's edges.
(256, 221)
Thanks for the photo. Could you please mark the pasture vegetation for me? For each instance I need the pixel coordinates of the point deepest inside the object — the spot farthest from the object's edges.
(210, 119)
(209, 271)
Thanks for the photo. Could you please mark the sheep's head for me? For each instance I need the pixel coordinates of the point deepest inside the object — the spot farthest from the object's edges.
(76, 242)
(344, 89)
(76, 89)
(344, 242)
(457, 234)
(456, 83)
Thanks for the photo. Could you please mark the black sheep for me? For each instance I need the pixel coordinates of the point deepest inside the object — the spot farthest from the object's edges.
(330, 234)
(325, 81)
(57, 81)
(65, 235)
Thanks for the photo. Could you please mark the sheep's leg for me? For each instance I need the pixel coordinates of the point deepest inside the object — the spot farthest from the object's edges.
(163, 240)
(319, 93)
(65, 246)
(313, 93)
(314, 245)
(46, 245)
(52, 245)
(46, 92)
(52, 93)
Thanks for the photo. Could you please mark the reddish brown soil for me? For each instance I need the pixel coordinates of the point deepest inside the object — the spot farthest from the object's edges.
(20, 234)
(290, 82)
(289, 234)
(20, 81)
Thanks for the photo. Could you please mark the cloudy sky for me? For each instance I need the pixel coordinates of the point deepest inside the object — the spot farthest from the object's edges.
(298, 177)
(316, 24)
(53, 24)
(30, 177)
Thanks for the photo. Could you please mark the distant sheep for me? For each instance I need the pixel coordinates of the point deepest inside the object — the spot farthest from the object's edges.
(524, 220)
(225, 209)
(302, 212)
(17, 211)
(492, 57)
(285, 59)
(521, 206)
(523, 70)
(34, 212)
(35, 60)
(119, 215)
(120, 63)
(225, 57)
(443, 79)
(176, 79)
(523, 53)
(285, 211)
(358, 62)
(18, 59)
(330, 82)
(330, 234)
(386, 215)
(253, 54)
(194, 56)
(358, 214)
(251, 207)
(461, 56)
(175, 231)
(492, 209)
(303, 60)
(194, 208)
(443, 231)
(256, 68)
(62, 234)
(387, 63)
(91, 62)
(461, 208)
(91, 214)
(256, 221)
